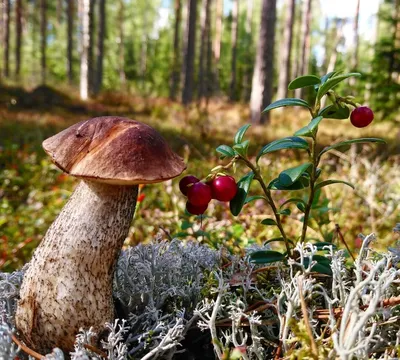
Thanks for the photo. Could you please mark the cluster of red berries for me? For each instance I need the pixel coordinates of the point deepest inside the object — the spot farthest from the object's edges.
(199, 194)
(362, 116)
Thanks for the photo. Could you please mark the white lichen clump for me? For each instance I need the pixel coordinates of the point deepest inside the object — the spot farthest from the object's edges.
(166, 289)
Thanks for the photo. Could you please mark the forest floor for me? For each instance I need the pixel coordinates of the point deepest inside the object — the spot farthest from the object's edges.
(32, 191)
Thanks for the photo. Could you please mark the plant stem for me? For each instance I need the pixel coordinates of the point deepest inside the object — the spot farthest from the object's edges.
(267, 192)
(313, 179)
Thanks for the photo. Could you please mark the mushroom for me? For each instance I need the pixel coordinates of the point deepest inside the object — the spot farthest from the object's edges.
(68, 284)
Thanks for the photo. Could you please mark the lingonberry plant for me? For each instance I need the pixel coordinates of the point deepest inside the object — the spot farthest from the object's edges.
(307, 176)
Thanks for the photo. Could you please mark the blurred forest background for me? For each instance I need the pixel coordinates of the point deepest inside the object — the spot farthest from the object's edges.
(196, 71)
(238, 50)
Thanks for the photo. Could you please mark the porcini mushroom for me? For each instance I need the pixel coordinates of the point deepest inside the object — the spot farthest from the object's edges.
(68, 284)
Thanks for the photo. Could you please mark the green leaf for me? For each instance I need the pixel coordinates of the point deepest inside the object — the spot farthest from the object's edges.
(226, 151)
(287, 102)
(285, 212)
(296, 200)
(280, 239)
(289, 176)
(329, 182)
(266, 257)
(299, 184)
(268, 222)
(332, 82)
(242, 148)
(255, 197)
(322, 244)
(353, 141)
(322, 266)
(240, 133)
(335, 112)
(238, 201)
(186, 225)
(290, 142)
(328, 76)
(310, 129)
(301, 207)
(317, 195)
(304, 81)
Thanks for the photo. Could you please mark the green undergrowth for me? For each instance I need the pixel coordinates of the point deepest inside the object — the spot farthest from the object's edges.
(33, 191)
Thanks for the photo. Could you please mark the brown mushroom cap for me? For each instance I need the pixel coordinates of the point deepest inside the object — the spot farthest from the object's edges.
(114, 150)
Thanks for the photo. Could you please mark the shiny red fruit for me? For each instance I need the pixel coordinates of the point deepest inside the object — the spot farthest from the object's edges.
(185, 181)
(224, 188)
(196, 210)
(199, 194)
(361, 116)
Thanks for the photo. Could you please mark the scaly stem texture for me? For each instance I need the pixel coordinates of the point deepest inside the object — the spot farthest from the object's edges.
(68, 284)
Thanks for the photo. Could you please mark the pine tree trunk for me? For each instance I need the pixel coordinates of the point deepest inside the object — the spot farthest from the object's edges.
(18, 37)
(70, 41)
(175, 74)
(209, 62)
(59, 11)
(261, 91)
(189, 55)
(100, 47)
(354, 58)
(286, 51)
(217, 42)
(234, 39)
(6, 40)
(121, 45)
(334, 52)
(305, 42)
(43, 38)
(85, 40)
(91, 62)
(203, 77)
(393, 72)
(248, 39)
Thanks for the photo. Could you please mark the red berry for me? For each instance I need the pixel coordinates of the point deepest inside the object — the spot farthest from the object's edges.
(361, 116)
(185, 181)
(199, 194)
(195, 210)
(224, 188)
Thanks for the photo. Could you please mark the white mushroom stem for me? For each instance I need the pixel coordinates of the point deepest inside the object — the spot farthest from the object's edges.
(68, 283)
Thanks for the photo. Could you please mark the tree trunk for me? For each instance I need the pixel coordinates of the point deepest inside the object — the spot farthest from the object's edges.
(18, 37)
(100, 47)
(43, 38)
(121, 45)
(209, 62)
(175, 74)
(354, 57)
(203, 76)
(305, 42)
(6, 40)
(217, 42)
(286, 50)
(59, 11)
(234, 39)
(261, 91)
(189, 55)
(91, 62)
(248, 40)
(85, 40)
(393, 73)
(70, 41)
(334, 52)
